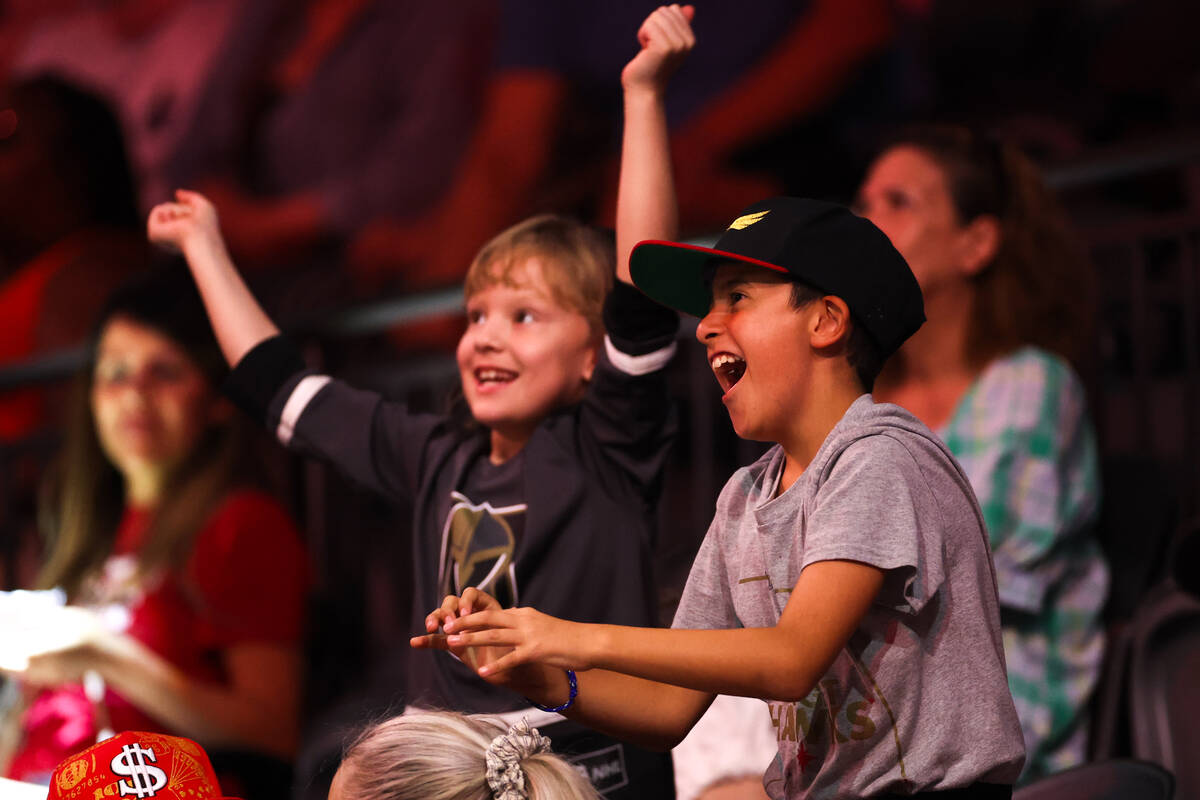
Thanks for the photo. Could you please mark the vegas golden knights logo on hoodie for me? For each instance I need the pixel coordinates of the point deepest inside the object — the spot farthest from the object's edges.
(477, 549)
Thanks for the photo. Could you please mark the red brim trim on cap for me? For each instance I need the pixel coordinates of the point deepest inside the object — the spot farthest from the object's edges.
(672, 273)
(713, 252)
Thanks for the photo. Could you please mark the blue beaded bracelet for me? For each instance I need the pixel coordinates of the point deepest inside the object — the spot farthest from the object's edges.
(571, 695)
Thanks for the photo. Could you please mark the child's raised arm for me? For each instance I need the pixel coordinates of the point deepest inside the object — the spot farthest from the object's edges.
(189, 226)
(646, 206)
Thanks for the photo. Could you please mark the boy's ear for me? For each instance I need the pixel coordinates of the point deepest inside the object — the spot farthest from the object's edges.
(589, 363)
(830, 322)
(979, 242)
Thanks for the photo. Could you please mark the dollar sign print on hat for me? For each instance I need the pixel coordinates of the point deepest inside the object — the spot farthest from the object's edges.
(145, 780)
(138, 765)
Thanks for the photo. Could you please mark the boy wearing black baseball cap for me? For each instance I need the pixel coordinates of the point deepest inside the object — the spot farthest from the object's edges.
(846, 578)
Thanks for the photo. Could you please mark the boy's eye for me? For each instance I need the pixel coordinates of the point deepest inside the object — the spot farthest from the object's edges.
(165, 372)
(110, 374)
(897, 199)
(524, 315)
(735, 296)
(474, 316)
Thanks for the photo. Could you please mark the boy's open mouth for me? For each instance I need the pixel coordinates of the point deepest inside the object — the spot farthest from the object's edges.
(728, 368)
(494, 375)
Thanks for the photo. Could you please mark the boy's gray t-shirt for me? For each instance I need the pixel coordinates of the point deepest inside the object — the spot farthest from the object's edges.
(918, 698)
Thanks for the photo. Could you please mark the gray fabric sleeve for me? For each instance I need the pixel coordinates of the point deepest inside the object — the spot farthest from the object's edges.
(706, 602)
(872, 509)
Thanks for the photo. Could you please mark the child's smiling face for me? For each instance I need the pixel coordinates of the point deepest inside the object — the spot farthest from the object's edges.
(758, 348)
(523, 354)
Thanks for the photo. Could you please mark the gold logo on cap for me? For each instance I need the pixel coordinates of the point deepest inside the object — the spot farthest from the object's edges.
(749, 219)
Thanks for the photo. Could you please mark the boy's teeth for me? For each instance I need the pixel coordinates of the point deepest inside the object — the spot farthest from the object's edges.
(724, 359)
(494, 375)
(729, 367)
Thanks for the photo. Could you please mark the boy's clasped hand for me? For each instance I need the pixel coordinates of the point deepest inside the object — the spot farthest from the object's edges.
(495, 641)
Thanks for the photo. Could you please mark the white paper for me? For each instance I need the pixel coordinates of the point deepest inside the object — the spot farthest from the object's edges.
(32, 623)
(18, 790)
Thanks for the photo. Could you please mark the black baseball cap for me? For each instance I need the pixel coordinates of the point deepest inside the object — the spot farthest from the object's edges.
(824, 245)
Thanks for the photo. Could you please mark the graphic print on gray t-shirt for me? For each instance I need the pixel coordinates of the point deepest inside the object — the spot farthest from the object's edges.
(479, 538)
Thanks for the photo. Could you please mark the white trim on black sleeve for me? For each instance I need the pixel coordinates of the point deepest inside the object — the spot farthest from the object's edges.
(299, 399)
(639, 365)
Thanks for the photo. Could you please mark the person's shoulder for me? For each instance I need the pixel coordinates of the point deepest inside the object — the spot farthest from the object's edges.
(248, 512)
(1028, 388)
(1032, 367)
(889, 458)
(249, 539)
(1029, 359)
(886, 446)
(871, 430)
(250, 501)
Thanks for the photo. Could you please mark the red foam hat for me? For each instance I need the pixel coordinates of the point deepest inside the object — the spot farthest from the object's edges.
(147, 766)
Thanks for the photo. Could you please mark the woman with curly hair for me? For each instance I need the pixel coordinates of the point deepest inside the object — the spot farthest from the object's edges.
(1008, 300)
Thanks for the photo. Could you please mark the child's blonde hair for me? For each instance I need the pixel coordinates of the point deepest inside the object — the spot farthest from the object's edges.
(577, 263)
(443, 755)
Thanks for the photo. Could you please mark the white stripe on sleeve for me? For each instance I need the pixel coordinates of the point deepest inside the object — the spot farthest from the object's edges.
(305, 390)
(639, 365)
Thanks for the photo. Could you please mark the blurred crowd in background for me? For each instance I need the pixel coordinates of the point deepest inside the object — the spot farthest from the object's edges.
(363, 150)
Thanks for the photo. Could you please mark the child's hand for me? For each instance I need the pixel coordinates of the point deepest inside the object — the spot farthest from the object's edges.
(190, 218)
(529, 637)
(666, 38)
(472, 600)
(453, 607)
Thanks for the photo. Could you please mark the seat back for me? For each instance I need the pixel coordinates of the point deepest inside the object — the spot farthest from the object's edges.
(1119, 779)
(1164, 686)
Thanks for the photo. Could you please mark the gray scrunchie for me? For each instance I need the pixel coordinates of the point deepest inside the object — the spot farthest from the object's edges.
(504, 755)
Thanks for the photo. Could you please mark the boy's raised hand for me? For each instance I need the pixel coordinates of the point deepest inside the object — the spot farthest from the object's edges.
(666, 38)
(189, 219)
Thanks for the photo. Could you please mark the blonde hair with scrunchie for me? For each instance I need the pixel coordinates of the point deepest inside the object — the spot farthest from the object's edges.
(442, 755)
(504, 756)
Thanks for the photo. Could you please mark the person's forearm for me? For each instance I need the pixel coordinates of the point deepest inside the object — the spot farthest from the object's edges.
(650, 685)
(782, 662)
(646, 206)
(767, 663)
(654, 715)
(210, 713)
(237, 319)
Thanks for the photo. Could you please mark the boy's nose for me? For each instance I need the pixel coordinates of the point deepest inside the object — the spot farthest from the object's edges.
(488, 338)
(136, 389)
(711, 324)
